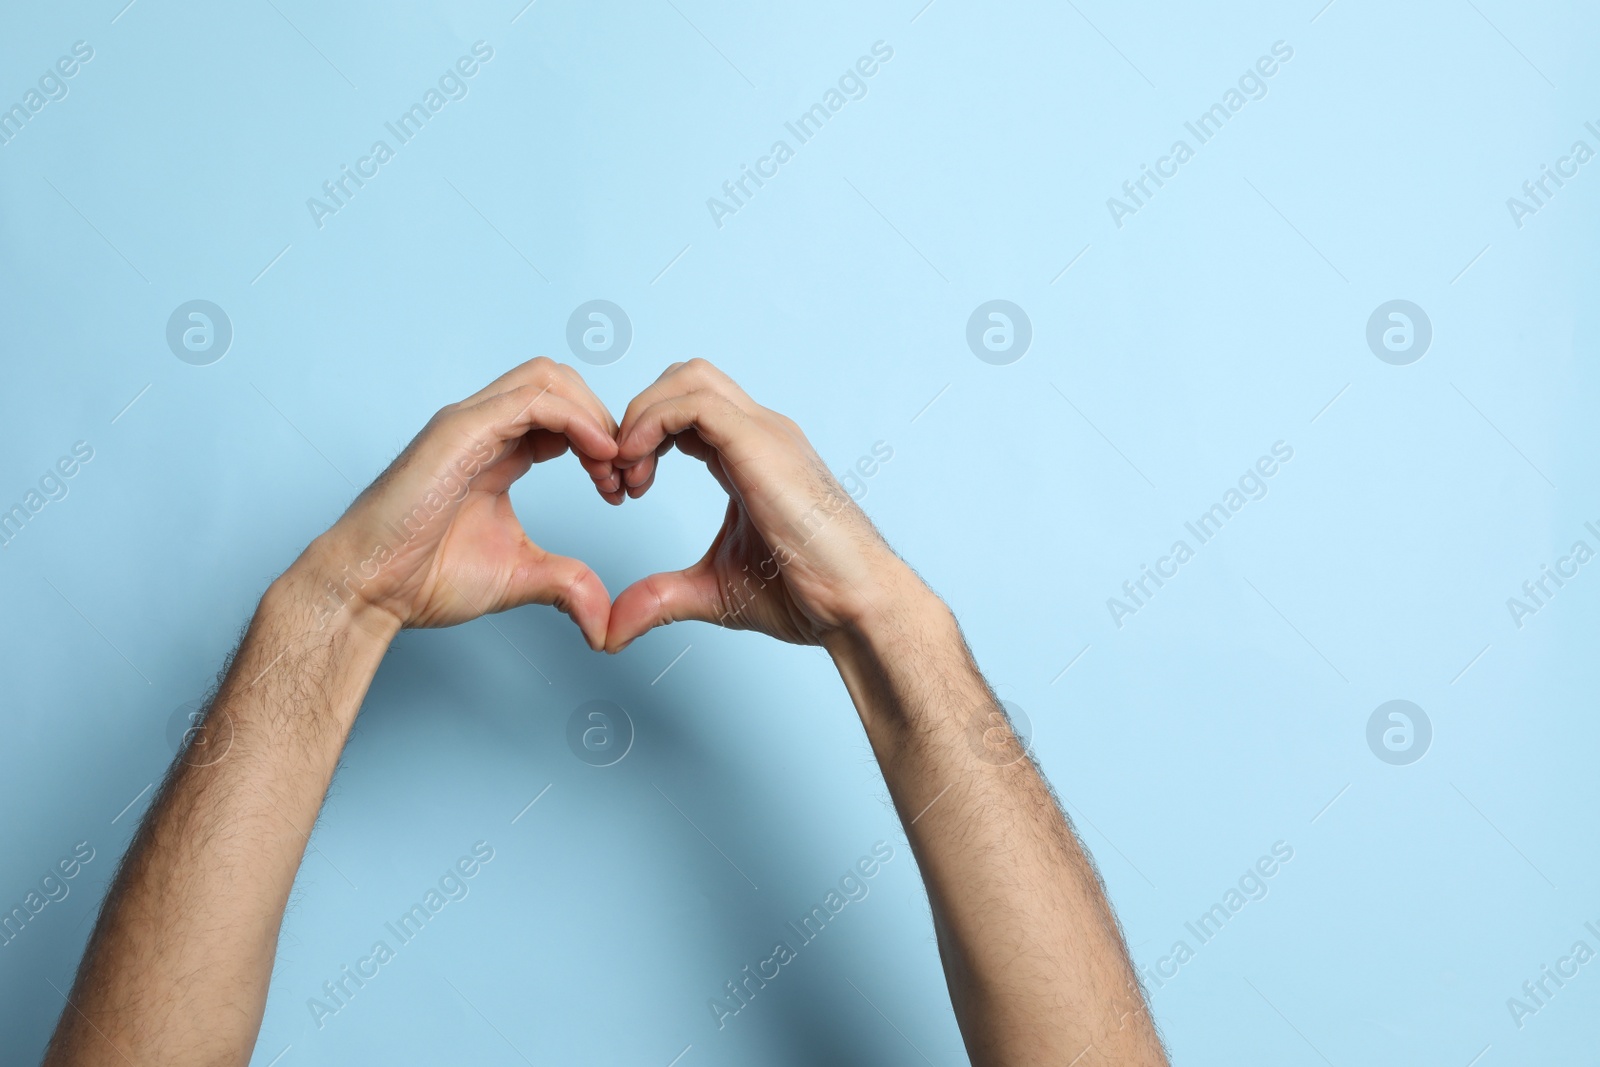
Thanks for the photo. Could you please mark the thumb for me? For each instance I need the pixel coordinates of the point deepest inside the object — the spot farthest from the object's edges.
(566, 584)
(688, 595)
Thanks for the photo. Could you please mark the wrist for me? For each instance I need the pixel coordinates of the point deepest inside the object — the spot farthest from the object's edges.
(909, 673)
(900, 610)
(299, 642)
(319, 596)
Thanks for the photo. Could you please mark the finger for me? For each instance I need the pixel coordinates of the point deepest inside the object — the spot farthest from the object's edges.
(716, 418)
(542, 372)
(488, 446)
(600, 471)
(569, 586)
(539, 446)
(535, 446)
(641, 483)
(696, 390)
(693, 445)
(594, 402)
(638, 479)
(522, 374)
(671, 596)
(642, 473)
(702, 396)
(607, 479)
(539, 372)
(512, 414)
(651, 393)
(542, 446)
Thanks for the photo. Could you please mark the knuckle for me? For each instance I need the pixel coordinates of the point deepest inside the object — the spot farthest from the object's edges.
(572, 588)
(661, 614)
(708, 373)
(543, 371)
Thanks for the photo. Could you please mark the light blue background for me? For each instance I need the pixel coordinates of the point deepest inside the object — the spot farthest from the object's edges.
(1223, 317)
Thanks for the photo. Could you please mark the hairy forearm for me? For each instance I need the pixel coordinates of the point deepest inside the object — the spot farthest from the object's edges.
(177, 968)
(1034, 959)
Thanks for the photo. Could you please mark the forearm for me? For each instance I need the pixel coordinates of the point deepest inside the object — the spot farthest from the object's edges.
(178, 965)
(1032, 953)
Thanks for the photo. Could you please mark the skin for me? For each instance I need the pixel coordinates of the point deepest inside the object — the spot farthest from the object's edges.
(178, 966)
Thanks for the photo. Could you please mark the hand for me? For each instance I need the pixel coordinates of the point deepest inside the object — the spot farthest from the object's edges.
(795, 558)
(434, 541)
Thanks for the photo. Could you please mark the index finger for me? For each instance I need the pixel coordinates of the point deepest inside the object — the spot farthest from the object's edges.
(693, 395)
(508, 416)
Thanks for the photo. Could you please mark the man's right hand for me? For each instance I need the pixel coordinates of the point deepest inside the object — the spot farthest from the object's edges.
(795, 558)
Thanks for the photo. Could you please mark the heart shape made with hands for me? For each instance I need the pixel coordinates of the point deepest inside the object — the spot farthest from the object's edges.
(777, 564)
